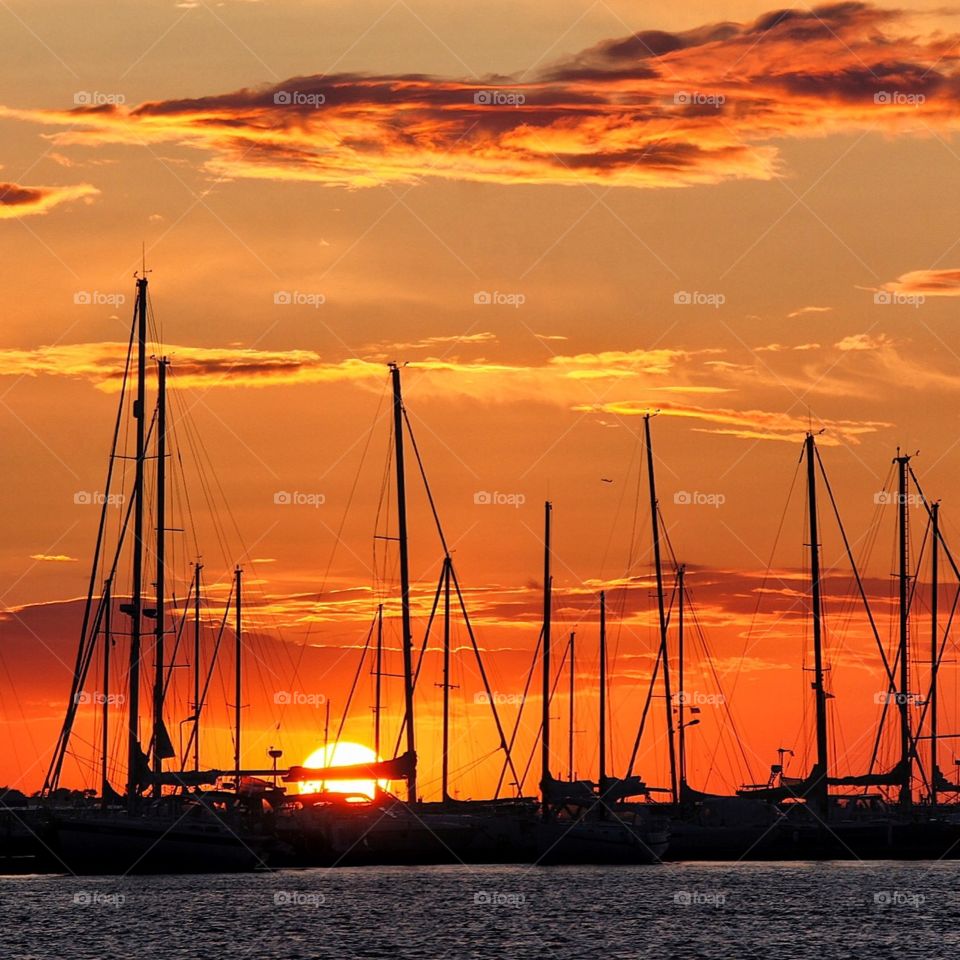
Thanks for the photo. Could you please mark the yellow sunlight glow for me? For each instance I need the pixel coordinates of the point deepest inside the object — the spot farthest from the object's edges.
(341, 755)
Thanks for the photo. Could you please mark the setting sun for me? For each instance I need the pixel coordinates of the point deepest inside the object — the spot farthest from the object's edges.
(341, 755)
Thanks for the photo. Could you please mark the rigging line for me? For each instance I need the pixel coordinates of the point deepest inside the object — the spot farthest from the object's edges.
(353, 687)
(53, 772)
(60, 751)
(206, 683)
(643, 716)
(463, 607)
(766, 577)
(533, 748)
(523, 703)
(423, 650)
(708, 656)
(856, 573)
(483, 673)
(426, 483)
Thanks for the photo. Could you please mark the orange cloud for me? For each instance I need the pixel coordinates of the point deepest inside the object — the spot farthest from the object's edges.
(931, 283)
(19, 201)
(653, 109)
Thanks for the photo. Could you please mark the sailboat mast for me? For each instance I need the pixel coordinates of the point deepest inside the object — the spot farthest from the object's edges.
(136, 590)
(446, 680)
(820, 785)
(159, 733)
(603, 693)
(105, 734)
(904, 576)
(196, 666)
(573, 675)
(664, 649)
(545, 734)
(404, 582)
(934, 654)
(681, 680)
(378, 683)
(238, 665)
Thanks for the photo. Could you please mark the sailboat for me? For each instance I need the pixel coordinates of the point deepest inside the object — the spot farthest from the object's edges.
(582, 821)
(146, 828)
(330, 829)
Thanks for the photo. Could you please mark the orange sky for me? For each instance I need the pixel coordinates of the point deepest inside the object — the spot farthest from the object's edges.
(739, 218)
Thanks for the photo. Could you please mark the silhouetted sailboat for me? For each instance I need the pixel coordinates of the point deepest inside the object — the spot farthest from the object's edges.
(146, 829)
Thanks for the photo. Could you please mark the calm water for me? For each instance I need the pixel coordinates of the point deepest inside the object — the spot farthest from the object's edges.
(874, 910)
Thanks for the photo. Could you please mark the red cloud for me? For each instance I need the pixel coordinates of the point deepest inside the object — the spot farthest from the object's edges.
(653, 109)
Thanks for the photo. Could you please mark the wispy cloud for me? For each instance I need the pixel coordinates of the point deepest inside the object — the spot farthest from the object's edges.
(53, 558)
(20, 201)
